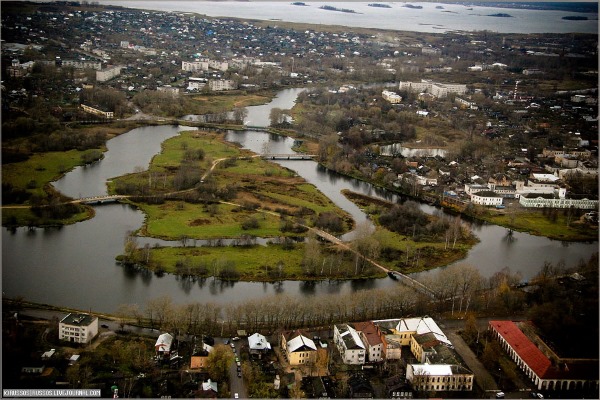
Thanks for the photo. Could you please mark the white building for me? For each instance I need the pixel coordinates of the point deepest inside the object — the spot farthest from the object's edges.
(173, 91)
(258, 344)
(405, 328)
(96, 111)
(349, 344)
(486, 198)
(82, 64)
(163, 344)
(107, 74)
(196, 83)
(439, 377)
(221, 84)
(437, 89)
(78, 328)
(193, 66)
(541, 200)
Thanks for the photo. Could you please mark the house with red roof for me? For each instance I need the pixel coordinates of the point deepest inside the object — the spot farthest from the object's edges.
(548, 372)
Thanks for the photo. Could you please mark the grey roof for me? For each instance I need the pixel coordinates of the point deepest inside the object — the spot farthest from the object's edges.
(78, 319)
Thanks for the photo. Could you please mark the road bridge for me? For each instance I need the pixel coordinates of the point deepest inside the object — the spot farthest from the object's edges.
(100, 199)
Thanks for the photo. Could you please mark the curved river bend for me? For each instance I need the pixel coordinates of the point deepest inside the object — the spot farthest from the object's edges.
(74, 266)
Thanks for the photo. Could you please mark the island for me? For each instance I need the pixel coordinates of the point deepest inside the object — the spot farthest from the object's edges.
(331, 8)
(412, 6)
(298, 3)
(575, 18)
(380, 5)
(500, 15)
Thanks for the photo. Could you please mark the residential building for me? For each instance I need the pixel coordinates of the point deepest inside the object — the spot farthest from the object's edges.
(372, 339)
(96, 111)
(218, 65)
(359, 387)
(393, 348)
(217, 85)
(546, 373)
(486, 198)
(173, 91)
(196, 83)
(419, 344)
(78, 328)
(439, 90)
(405, 328)
(297, 348)
(108, 74)
(258, 344)
(193, 66)
(82, 64)
(349, 344)
(439, 377)
(163, 344)
(392, 97)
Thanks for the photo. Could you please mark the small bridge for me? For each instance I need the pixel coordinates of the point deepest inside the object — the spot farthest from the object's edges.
(100, 199)
(294, 156)
(405, 279)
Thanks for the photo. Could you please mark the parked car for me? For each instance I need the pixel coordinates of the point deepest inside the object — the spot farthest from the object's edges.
(500, 395)
(236, 396)
(235, 338)
(239, 374)
(226, 341)
(232, 345)
(104, 326)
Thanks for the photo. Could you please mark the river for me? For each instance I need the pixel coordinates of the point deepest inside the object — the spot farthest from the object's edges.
(74, 266)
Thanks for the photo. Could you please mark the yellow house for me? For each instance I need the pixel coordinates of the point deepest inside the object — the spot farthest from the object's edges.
(298, 349)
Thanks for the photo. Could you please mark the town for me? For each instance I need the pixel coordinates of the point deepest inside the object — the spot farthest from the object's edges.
(501, 128)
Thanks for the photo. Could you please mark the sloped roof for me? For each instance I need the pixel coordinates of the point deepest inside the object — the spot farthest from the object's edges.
(209, 385)
(350, 337)
(420, 326)
(163, 343)
(258, 342)
(301, 343)
(529, 352)
(370, 331)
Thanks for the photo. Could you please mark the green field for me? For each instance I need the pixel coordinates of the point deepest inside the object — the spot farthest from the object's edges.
(175, 219)
(250, 262)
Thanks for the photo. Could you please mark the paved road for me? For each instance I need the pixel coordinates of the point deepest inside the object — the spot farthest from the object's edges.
(482, 377)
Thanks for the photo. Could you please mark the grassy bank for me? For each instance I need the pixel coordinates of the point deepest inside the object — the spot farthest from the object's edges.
(403, 252)
(559, 227)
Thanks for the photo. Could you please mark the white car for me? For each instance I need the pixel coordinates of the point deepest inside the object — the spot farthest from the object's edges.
(236, 396)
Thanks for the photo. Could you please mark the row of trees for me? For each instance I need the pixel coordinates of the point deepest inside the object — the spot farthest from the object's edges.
(458, 289)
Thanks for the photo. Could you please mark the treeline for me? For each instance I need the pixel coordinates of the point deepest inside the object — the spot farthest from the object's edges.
(458, 289)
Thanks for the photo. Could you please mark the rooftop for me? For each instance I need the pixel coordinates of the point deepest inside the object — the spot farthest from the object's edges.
(78, 319)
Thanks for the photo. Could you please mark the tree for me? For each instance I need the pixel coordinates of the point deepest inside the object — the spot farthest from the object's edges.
(239, 114)
(218, 362)
(365, 245)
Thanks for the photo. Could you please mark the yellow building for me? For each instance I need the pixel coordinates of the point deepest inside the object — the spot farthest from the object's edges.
(298, 349)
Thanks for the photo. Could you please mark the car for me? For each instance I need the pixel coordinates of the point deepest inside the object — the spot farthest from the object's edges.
(104, 326)
(235, 338)
(500, 395)
(226, 342)
(238, 364)
(236, 396)
(232, 345)
(237, 359)
(539, 395)
(239, 374)
(239, 369)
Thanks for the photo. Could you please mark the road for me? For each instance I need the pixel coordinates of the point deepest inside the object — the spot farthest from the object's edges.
(236, 384)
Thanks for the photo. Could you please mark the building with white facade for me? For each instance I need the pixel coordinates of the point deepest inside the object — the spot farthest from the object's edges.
(349, 344)
(486, 198)
(439, 90)
(541, 200)
(173, 91)
(108, 74)
(258, 344)
(193, 66)
(546, 373)
(372, 339)
(78, 328)
(82, 64)
(439, 377)
(221, 84)
(196, 83)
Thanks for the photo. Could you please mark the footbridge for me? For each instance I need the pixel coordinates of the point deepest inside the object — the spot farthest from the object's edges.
(405, 279)
(293, 156)
(100, 199)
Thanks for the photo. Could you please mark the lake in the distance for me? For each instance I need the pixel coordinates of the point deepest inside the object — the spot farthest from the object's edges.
(429, 18)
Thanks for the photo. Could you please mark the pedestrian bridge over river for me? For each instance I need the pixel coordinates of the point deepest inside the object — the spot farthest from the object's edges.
(292, 156)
